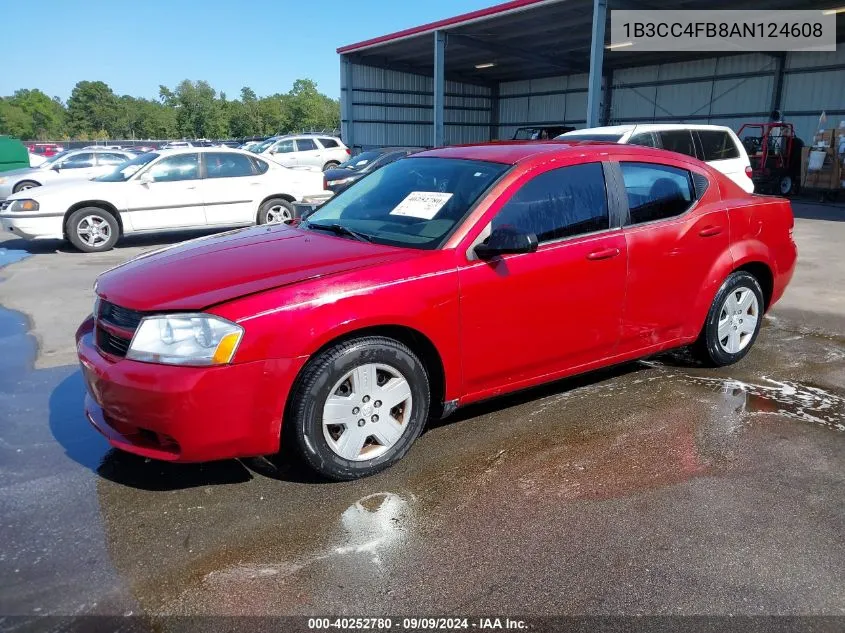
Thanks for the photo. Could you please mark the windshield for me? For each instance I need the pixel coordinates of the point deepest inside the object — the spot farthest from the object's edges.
(125, 171)
(414, 202)
(260, 147)
(47, 164)
(607, 138)
(360, 161)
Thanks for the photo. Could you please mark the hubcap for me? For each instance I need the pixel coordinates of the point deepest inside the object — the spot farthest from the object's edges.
(785, 184)
(277, 214)
(738, 320)
(367, 412)
(93, 230)
(25, 187)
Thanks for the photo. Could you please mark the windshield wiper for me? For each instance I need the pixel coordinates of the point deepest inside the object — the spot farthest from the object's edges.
(339, 229)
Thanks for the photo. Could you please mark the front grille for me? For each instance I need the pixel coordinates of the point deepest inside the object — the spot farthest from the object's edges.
(5, 204)
(113, 317)
(120, 317)
(111, 343)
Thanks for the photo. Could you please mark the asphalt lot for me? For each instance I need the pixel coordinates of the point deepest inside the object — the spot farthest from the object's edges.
(652, 488)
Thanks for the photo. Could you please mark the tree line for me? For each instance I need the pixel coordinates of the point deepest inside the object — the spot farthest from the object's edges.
(193, 109)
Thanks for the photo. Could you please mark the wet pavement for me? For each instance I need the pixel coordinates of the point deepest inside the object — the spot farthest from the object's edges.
(656, 487)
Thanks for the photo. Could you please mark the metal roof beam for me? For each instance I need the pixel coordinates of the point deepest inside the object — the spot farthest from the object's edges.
(385, 63)
(471, 41)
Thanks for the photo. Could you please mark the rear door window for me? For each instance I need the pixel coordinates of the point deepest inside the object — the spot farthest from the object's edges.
(717, 145)
(305, 144)
(678, 141)
(328, 143)
(559, 203)
(656, 192)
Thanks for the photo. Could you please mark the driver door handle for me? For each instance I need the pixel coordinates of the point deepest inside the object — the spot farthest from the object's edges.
(710, 231)
(605, 253)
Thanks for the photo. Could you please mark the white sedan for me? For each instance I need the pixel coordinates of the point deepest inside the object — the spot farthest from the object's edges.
(188, 188)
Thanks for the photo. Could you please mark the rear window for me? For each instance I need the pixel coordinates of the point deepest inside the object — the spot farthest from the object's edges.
(328, 143)
(678, 141)
(259, 165)
(717, 145)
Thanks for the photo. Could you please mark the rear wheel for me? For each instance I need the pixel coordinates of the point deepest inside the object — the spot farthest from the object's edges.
(330, 165)
(358, 407)
(733, 321)
(785, 185)
(275, 211)
(24, 185)
(92, 230)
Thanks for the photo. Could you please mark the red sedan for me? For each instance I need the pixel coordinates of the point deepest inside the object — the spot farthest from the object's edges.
(444, 278)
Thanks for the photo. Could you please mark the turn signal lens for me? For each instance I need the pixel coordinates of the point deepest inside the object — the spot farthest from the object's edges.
(226, 349)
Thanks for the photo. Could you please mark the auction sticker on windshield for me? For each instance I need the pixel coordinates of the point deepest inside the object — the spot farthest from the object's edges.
(422, 204)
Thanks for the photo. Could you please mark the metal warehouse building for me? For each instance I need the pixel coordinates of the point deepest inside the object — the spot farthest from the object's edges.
(478, 76)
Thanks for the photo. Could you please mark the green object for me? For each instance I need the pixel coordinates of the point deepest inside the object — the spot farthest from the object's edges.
(13, 154)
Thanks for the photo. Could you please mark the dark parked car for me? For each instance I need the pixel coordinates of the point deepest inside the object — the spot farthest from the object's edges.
(357, 167)
(541, 132)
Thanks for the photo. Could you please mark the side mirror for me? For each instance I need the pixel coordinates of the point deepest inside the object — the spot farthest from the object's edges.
(146, 178)
(506, 240)
(56, 167)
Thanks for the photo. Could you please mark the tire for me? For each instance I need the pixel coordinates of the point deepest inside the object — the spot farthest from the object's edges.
(276, 211)
(732, 308)
(24, 185)
(337, 373)
(79, 230)
(330, 165)
(785, 185)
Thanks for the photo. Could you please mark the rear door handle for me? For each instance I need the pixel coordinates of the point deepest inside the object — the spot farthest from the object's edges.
(605, 253)
(710, 231)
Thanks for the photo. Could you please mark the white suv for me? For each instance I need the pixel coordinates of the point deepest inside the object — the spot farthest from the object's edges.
(716, 145)
(305, 150)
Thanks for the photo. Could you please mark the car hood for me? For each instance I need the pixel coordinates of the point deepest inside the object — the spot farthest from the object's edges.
(22, 171)
(81, 188)
(210, 270)
(337, 174)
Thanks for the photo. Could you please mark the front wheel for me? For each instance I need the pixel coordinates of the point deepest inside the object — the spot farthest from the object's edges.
(276, 211)
(92, 230)
(733, 321)
(358, 407)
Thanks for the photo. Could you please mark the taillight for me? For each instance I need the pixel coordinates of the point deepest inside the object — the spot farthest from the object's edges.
(325, 183)
(748, 171)
(348, 152)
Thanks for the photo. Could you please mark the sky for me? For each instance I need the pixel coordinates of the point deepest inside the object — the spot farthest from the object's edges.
(135, 46)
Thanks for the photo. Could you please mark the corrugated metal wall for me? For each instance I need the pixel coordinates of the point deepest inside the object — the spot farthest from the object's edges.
(395, 108)
(722, 91)
(814, 82)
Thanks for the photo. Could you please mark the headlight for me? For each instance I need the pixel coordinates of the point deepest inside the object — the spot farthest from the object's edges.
(3, 180)
(342, 181)
(185, 339)
(24, 205)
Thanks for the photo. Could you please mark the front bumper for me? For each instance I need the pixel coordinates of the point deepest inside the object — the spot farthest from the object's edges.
(32, 226)
(185, 414)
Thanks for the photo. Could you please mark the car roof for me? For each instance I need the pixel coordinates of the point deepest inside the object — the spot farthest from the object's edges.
(170, 151)
(513, 152)
(646, 127)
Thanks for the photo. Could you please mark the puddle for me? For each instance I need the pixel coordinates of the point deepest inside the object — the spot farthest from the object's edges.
(781, 397)
(11, 256)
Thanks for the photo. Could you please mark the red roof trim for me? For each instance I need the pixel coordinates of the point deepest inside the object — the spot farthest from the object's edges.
(440, 24)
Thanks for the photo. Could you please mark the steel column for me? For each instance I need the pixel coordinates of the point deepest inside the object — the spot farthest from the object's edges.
(777, 86)
(596, 62)
(494, 112)
(439, 86)
(347, 124)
